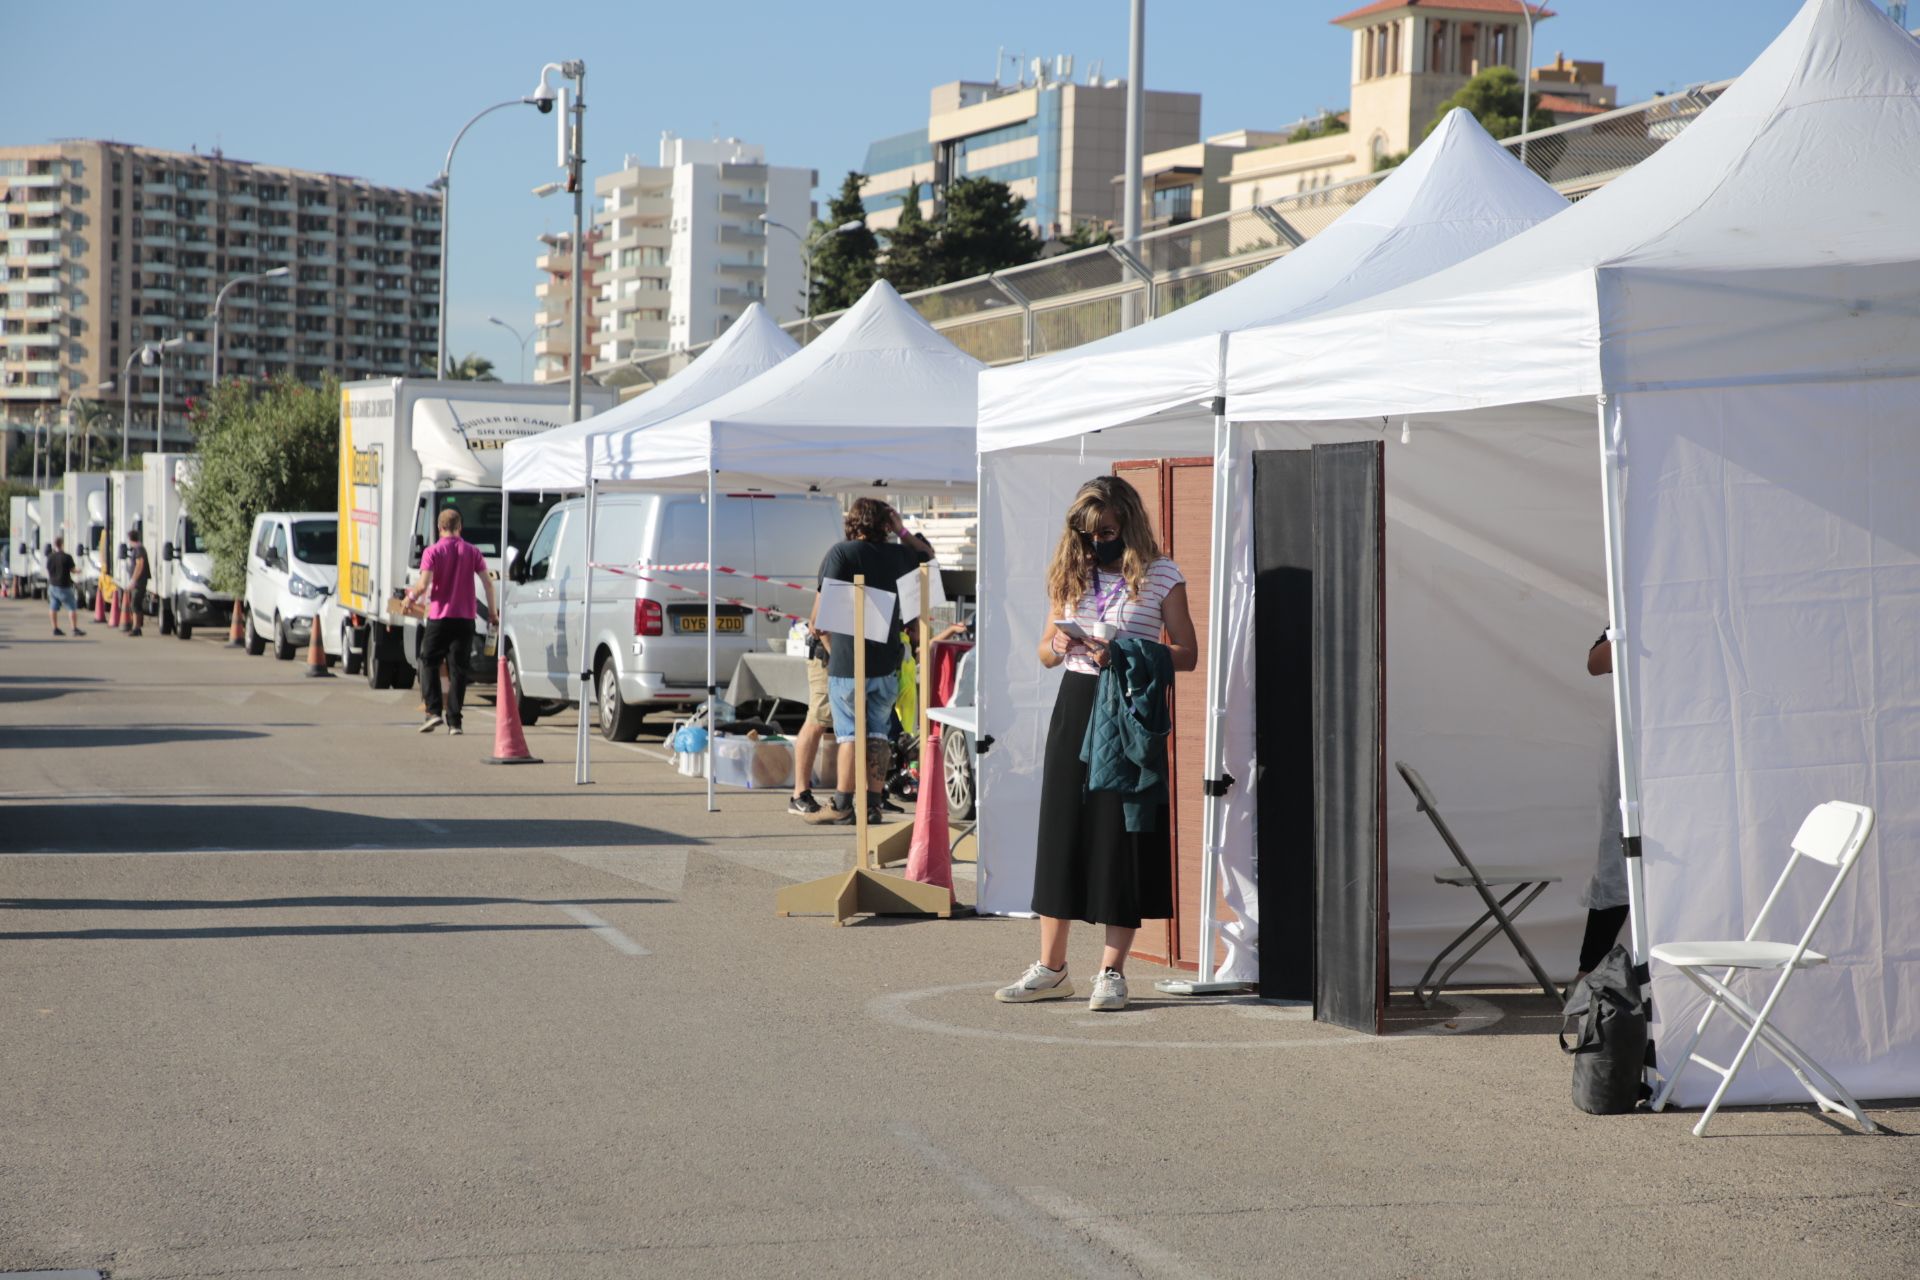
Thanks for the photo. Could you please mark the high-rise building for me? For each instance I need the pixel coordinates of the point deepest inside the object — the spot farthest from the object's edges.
(681, 248)
(1056, 144)
(105, 247)
(553, 321)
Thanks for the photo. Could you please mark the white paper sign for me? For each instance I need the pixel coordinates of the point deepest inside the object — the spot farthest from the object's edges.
(910, 592)
(836, 610)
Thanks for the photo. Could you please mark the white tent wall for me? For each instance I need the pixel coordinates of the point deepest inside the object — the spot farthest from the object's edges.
(1773, 588)
(1495, 590)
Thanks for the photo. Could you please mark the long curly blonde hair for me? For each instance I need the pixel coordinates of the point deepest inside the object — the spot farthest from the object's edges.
(1072, 570)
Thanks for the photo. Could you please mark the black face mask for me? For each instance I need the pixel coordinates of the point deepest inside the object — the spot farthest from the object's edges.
(1108, 553)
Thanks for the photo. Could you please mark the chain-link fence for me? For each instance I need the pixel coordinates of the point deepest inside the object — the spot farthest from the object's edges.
(1065, 301)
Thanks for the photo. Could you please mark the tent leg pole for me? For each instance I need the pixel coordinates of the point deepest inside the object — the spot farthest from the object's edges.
(582, 772)
(1215, 783)
(1626, 735)
(713, 692)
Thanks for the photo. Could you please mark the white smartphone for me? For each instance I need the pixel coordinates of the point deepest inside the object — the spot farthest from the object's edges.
(1071, 629)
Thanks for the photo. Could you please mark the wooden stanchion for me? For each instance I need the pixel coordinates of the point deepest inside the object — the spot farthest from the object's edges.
(865, 890)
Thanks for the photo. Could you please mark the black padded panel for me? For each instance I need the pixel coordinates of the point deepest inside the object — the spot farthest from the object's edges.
(1349, 730)
(1283, 705)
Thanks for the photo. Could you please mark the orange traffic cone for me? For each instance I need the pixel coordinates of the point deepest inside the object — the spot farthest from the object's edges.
(930, 857)
(317, 655)
(100, 605)
(117, 619)
(509, 739)
(236, 634)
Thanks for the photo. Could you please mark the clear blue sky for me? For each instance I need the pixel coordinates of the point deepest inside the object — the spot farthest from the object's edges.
(377, 88)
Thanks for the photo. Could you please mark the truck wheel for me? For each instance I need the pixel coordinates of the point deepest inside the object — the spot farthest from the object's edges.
(256, 643)
(283, 646)
(402, 677)
(529, 711)
(379, 670)
(618, 721)
(354, 663)
(957, 764)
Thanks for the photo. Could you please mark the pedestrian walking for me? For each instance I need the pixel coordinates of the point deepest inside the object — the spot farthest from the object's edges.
(139, 576)
(447, 575)
(1104, 851)
(866, 551)
(60, 592)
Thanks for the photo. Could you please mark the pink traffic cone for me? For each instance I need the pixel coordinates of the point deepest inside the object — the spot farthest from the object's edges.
(117, 616)
(509, 739)
(100, 605)
(930, 857)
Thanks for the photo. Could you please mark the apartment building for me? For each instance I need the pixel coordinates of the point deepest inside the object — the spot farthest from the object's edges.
(1056, 144)
(106, 247)
(683, 246)
(553, 317)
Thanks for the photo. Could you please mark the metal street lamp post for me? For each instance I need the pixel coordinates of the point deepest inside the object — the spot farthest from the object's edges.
(218, 298)
(86, 444)
(144, 354)
(1526, 84)
(531, 334)
(160, 396)
(541, 98)
(807, 249)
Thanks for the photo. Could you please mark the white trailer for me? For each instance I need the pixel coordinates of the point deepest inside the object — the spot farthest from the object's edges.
(182, 565)
(409, 449)
(84, 506)
(50, 512)
(123, 517)
(23, 543)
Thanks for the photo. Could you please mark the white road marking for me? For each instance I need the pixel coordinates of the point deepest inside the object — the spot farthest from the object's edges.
(1066, 1248)
(1152, 1259)
(896, 1008)
(605, 932)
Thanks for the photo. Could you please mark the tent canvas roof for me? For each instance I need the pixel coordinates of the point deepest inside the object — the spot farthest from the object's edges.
(1755, 245)
(880, 400)
(1458, 194)
(556, 460)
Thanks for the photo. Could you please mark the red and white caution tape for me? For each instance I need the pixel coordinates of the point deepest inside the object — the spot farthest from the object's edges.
(721, 568)
(625, 571)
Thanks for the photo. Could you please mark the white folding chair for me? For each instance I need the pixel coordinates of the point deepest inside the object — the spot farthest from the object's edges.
(1833, 834)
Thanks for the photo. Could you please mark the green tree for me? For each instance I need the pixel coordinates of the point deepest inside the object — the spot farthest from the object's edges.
(262, 447)
(1493, 97)
(981, 231)
(843, 264)
(474, 368)
(913, 248)
(1087, 235)
(1325, 127)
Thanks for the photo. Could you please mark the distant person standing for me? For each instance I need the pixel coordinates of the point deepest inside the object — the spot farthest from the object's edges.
(447, 574)
(139, 577)
(867, 552)
(60, 592)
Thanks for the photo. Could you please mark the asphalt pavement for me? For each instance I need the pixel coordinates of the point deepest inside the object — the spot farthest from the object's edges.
(287, 989)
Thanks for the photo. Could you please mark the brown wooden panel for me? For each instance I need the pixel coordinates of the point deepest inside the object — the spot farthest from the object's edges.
(1154, 941)
(1190, 500)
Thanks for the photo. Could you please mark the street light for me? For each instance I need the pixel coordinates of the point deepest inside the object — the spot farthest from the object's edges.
(807, 248)
(144, 354)
(86, 445)
(542, 97)
(159, 350)
(1526, 83)
(276, 274)
(530, 336)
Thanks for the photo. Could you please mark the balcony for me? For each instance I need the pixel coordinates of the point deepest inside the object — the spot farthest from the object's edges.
(750, 270)
(36, 209)
(754, 236)
(34, 260)
(30, 340)
(740, 206)
(743, 173)
(40, 180)
(247, 198)
(161, 188)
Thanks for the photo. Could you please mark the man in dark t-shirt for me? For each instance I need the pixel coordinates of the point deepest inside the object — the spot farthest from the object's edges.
(866, 551)
(139, 578)
(60, 592)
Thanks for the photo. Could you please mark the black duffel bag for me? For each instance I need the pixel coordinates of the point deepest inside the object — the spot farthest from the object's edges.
(1610, 1051)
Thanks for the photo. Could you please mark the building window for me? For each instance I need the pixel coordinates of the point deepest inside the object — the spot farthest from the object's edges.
(1173, 204)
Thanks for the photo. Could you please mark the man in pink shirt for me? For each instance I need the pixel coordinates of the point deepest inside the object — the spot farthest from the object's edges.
(447, 574)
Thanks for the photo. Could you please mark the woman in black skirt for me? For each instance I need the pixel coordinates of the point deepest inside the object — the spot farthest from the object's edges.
(1109, 577)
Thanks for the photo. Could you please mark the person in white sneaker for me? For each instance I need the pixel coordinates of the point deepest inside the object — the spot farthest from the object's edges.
(1109, 579)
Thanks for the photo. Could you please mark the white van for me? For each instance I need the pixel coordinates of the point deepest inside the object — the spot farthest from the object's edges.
(648, 641)
(292, 566)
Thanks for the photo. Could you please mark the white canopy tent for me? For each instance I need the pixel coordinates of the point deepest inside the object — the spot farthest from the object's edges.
(1744, 309)
(1150, 393)
(880, 401)
(556, 461)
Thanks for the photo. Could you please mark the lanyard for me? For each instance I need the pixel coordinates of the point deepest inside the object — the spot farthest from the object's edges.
(1104, 600)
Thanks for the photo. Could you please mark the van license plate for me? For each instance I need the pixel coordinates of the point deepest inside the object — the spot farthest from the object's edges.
(697, 623)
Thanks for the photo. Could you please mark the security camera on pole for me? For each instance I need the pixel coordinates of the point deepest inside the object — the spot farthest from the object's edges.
(573, 116)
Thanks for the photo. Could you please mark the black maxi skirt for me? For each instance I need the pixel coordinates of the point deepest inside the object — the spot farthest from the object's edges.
(1088, 865)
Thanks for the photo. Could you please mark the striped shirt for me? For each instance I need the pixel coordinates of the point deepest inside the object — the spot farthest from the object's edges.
(1107, 601)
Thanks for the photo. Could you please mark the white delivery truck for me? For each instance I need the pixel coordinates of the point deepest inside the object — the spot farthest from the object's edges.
(50, 509)
(23, 543)
(409, 449)
(124, 515)
(182, 565)
(84, 502)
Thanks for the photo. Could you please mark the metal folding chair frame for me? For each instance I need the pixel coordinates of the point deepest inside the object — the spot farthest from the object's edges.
(1496, 908)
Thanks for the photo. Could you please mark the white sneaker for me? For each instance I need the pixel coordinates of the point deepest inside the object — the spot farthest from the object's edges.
(1037, 983)
(431, 723)
(1109, 991)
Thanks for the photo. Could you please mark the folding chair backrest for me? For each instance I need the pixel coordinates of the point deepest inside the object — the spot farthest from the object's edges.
(1832, 834)
(1423, 800)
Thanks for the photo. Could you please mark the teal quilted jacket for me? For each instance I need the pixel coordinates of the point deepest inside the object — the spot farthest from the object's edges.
(1125, 749)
